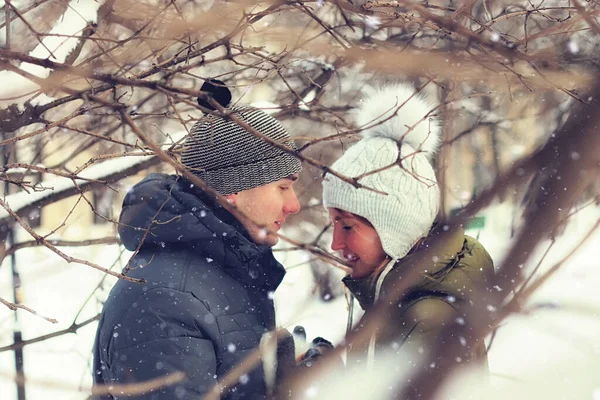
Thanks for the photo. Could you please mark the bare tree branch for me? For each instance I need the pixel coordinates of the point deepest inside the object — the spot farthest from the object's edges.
(14, 307)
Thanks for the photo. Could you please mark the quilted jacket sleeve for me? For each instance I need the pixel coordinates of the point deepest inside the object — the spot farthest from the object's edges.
(151, 341)
(422, 324)
(424, 321)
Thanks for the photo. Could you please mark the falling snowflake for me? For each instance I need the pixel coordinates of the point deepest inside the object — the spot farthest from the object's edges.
(573, 47)
(180, 392)
(311, 392)
(372, 21)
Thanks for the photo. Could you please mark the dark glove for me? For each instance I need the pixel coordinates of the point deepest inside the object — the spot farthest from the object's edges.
(279, 362)
(286, 356)
(288, 368)
(318, 348)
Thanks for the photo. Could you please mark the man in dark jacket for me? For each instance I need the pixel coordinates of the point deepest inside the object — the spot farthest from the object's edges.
(210, 278)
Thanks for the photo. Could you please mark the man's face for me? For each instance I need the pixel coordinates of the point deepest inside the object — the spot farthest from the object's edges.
(267, 207)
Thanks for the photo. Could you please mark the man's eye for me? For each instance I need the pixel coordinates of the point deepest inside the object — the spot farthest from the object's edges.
(347, 227)
(283, 187)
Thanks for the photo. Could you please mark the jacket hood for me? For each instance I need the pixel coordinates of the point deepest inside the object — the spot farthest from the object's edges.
(168, 212)
(461, 265)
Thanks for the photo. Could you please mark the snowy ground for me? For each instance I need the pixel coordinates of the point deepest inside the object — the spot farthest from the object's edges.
(554, 346)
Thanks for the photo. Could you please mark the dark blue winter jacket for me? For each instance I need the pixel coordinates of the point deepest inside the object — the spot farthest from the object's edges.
(206, 303)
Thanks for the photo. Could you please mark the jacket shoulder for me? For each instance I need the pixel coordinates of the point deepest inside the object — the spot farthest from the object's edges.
(478, 256)
(180, 268)
(418, 318)
(429, 312)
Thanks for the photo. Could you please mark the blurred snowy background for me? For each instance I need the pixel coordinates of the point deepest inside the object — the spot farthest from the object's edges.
(507, 75)
(555, 342)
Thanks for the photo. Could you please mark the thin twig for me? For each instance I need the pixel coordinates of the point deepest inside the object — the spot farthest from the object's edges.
(37, 35)
(14, 307)
(71, 329)
(65, 257)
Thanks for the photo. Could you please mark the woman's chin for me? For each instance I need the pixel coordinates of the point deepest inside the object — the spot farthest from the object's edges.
(361, 270)
(358, 273)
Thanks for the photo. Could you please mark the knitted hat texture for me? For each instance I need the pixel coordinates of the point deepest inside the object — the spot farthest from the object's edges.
(228, 157)
(394, 159)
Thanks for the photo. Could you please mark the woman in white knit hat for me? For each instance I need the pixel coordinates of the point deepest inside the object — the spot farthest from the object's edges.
(380, 228)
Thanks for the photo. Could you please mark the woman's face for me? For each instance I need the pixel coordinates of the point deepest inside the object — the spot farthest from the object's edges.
(356, 239)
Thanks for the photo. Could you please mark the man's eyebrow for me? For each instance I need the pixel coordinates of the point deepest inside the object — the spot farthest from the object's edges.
(293, 177)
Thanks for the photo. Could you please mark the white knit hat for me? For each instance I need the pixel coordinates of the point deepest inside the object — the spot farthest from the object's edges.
(392, 118)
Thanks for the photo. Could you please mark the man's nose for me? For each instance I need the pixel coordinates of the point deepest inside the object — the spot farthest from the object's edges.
(291, 205)
(337, 243)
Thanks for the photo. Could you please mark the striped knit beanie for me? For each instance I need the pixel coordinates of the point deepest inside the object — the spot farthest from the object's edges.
(228, 157)
(396, 129)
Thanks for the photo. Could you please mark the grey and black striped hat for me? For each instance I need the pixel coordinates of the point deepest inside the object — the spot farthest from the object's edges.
(228, 157)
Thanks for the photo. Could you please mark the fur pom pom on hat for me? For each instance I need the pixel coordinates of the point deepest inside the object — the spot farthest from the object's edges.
(400, 113)
(396, 126)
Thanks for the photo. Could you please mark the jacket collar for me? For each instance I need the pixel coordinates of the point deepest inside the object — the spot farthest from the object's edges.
(363, 289)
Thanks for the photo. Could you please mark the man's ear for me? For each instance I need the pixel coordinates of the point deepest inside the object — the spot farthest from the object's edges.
(232, 198)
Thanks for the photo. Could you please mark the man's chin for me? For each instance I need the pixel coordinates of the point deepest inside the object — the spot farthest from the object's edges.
(270, 240)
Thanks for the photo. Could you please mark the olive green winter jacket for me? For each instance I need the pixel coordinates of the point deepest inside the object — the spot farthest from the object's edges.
(441, 296)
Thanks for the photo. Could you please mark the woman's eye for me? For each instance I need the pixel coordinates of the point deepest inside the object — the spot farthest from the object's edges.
(283, 187)
(347, 227)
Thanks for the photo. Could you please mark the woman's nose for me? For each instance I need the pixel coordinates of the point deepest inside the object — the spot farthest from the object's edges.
(337, 243)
